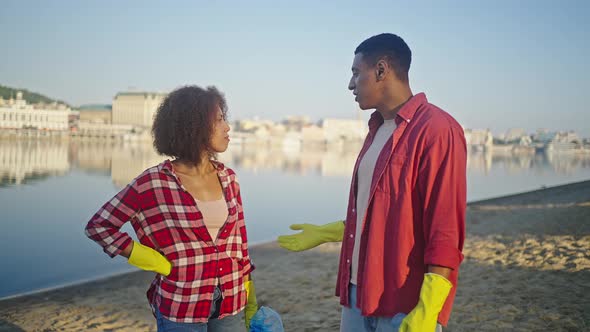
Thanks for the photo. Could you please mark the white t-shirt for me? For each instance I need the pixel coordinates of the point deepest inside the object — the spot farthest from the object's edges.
(364, 178)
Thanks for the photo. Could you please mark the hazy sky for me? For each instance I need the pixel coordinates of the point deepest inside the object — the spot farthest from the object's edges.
(491, 64)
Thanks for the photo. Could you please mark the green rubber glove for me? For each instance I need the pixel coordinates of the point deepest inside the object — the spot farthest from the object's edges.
(433, 294)
(312, 236)
(148, 259)
(251, 304)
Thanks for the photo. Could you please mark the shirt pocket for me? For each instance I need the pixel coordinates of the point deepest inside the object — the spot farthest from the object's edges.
(393, 179)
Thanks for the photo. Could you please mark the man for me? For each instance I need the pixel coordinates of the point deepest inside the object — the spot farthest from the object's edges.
(405, 225)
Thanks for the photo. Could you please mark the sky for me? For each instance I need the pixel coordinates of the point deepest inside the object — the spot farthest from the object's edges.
(490, 64)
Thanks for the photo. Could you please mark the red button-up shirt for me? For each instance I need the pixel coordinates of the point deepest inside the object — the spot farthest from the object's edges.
(165, 217)
(416, 212)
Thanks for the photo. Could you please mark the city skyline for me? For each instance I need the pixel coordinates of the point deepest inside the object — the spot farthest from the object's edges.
(499, 66)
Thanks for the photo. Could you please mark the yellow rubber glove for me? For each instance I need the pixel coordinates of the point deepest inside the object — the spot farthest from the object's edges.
(312, 236)
(148, 259)
(251, 304)
(433, 294)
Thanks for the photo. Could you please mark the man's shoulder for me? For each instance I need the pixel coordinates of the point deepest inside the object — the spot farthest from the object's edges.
(435, 121)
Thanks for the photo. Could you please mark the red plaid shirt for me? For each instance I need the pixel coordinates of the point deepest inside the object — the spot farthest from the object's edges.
(165, 217)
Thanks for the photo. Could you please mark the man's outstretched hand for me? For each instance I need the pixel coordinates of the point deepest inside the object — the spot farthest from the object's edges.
(312, 235)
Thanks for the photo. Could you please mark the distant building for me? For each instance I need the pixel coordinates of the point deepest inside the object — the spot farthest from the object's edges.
(479, 139)
(564, 141)
(296, 122)
(96, 113)
(136, 108)
(313, 134)
(17, 114)
(344, 129)
(515, 135)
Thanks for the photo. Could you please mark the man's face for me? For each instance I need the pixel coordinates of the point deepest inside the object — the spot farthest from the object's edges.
(363, 83)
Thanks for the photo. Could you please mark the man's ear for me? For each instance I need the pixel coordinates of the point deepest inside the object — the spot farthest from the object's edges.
(381, 69)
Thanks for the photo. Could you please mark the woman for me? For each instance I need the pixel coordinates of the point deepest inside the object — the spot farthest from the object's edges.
(187, 214)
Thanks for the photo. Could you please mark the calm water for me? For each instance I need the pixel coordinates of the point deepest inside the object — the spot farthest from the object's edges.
(49, 190)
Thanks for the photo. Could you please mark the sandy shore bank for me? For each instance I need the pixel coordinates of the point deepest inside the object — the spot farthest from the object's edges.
(527, 268)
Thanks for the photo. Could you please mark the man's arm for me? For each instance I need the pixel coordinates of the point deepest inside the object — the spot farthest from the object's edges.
(440, 270)
(442, 189)
(312, 236)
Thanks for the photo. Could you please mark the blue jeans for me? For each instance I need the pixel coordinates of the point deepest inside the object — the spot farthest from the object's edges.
(353, 321)
(233, 323)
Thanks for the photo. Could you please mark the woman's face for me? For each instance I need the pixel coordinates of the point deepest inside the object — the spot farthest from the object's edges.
(219, 135)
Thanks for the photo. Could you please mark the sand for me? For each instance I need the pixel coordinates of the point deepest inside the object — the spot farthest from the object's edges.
(526, 268)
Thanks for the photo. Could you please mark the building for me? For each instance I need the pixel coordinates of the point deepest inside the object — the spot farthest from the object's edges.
(136, 108)
(344, 129)
(296, 122)
(479, 139)
(17, 114)
(515, 135)
(96, 113)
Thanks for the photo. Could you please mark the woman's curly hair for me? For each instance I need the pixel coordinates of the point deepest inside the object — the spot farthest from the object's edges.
(184, 122)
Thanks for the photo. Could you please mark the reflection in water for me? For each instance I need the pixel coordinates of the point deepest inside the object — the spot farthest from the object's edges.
(22, 161)
(330, 162)
(566, 163)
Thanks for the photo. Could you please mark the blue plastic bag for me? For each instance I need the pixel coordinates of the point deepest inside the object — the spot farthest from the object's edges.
(396, 321)
(266, 320)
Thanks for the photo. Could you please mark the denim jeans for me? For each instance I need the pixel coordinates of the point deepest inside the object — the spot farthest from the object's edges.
(233, 323)
(353, 321)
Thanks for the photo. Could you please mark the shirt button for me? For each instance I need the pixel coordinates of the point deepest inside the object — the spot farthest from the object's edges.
(353, 210)
(351, 236)
(220, 269)
(348, 261)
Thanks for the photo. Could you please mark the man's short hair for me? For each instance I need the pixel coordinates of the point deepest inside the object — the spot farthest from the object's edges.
(392, 48)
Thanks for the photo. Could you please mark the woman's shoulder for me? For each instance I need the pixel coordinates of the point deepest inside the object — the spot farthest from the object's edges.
(151, 175)
(221, 167)
(225, 171)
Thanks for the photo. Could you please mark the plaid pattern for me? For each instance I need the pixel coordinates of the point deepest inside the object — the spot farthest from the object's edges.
(165, 217)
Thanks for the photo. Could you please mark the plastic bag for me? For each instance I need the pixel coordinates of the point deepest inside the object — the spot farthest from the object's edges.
(266, 320)
(396, 321)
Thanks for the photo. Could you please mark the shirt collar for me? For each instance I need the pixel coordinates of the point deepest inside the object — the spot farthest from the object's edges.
(405, 114)
(166, 167)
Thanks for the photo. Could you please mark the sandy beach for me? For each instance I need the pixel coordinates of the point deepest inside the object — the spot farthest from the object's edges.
(526, 268)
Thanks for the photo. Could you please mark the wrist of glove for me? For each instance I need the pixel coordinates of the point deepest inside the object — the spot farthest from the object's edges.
(148, 259)
(251, 303)
(433, 294)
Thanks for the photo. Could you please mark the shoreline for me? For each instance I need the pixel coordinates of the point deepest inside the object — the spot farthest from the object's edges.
(268, 242)
(527, 262)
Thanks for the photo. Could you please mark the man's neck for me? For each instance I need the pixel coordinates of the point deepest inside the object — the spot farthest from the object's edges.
(394, 101)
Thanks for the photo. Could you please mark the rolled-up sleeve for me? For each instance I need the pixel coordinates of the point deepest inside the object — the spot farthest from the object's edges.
(104, 227)
(442, 187)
